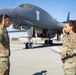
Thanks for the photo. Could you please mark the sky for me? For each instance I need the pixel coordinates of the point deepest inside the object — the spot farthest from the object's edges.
(58, 9)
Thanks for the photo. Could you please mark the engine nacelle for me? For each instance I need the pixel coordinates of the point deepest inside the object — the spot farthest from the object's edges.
(42, 34)
(25, 27)
(16, 26)
(38, 30)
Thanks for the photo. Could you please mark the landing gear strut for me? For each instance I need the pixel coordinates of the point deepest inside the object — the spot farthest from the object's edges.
(29, 43)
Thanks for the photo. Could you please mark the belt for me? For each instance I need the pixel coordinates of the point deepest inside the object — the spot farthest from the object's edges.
(65, 58)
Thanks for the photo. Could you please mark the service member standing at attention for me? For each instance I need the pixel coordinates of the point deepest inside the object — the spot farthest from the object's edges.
(4, 45)
(69, 48)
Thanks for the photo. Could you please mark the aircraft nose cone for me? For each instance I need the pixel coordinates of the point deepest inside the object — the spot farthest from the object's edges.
(6, 12)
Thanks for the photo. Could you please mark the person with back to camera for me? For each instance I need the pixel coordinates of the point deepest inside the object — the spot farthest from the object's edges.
(4, 45)
(68, 53)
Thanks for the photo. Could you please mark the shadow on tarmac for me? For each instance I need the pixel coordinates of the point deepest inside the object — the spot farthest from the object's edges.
(48, 45)
(42, 46)
(44, 72)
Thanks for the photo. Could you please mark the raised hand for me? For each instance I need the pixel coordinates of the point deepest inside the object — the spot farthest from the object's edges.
(3, 21)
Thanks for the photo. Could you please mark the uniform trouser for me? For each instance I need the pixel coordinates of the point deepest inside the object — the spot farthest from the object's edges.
(69, 66)
(4, 66)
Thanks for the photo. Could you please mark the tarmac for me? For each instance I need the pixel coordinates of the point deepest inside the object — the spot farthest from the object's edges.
(40, 60)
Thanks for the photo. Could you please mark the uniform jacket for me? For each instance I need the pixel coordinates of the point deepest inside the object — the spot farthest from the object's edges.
(4, 43)
(69, 43)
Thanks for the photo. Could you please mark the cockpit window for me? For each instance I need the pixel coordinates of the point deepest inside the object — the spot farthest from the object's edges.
(26, 6)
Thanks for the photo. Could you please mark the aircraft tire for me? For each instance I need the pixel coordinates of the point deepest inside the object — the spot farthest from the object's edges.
(48, 42)
(27, 46)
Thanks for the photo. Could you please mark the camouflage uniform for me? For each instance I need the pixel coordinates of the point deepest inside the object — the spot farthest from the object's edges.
(69, 46)
(4, 52)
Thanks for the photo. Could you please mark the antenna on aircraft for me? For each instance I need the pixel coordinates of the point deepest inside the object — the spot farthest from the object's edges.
(68, 16)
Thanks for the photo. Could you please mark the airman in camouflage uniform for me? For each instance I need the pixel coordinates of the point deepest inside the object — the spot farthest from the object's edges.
(69, 55)
(4, 45)
(69, 46)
